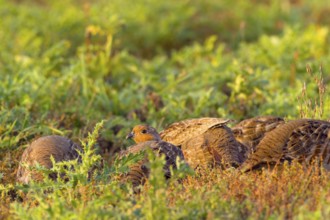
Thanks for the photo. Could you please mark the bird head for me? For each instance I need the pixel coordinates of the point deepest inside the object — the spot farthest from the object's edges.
(143, 133)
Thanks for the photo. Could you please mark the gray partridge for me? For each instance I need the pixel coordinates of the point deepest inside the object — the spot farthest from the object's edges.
(249, 132)
(40, 151)
(205, 142)
(303, 140)
(147, 137)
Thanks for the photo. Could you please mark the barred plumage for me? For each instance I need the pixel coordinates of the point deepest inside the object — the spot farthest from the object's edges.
(249, 132)
(302, 140)
(40, 151)
(205, 141)
(179, 132)
(216, 147)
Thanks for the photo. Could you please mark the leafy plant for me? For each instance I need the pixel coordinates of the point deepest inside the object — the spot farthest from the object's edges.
(64, 66)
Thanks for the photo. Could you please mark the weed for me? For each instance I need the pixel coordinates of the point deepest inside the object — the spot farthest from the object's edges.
(64, 66)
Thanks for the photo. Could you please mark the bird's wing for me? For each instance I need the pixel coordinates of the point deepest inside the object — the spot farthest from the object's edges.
(179, 132)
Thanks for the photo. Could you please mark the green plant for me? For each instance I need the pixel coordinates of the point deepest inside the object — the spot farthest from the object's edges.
(66, 65)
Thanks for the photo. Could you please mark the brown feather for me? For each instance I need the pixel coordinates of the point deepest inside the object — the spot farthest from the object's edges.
(180, 132)
(250, 132)
(139, 171)
(216, 146)
(40, 151)
(302, 139)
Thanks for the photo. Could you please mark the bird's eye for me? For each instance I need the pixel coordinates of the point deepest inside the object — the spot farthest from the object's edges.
(144, 131)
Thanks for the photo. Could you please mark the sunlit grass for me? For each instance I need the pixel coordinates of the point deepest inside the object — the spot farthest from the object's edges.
(64, 66)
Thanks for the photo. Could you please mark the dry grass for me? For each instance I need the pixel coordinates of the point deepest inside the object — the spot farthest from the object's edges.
(156, 70)
(262, 194)
(313, 106)
(284, 192)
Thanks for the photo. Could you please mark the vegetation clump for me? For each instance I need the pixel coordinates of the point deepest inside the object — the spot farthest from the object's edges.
(67, 65)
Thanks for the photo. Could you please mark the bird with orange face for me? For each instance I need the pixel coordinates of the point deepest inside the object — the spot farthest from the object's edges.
(146, 137)
(143, 133)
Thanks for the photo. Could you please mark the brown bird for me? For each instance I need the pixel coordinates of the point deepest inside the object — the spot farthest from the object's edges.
(147, 137)
(40, 151)
(179, 132)
(303, 140)
(143, 133)
(249, 132)
(205, 141)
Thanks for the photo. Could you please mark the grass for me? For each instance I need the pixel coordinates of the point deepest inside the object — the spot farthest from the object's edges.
(64, 67)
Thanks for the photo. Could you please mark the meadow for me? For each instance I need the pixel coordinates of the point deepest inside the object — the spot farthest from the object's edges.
(91, 70)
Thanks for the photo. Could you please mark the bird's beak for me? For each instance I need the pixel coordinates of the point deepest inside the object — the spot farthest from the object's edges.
(130, 135)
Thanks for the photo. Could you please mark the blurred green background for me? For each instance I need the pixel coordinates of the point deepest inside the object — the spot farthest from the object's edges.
(65, 65)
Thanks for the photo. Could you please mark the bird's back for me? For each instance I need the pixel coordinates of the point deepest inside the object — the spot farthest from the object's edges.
(216, 146)
(301, 139)
(179, 132)
(250, 132)
(41, 150)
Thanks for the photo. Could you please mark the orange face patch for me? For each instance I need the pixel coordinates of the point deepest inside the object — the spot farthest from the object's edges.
(143, 133)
